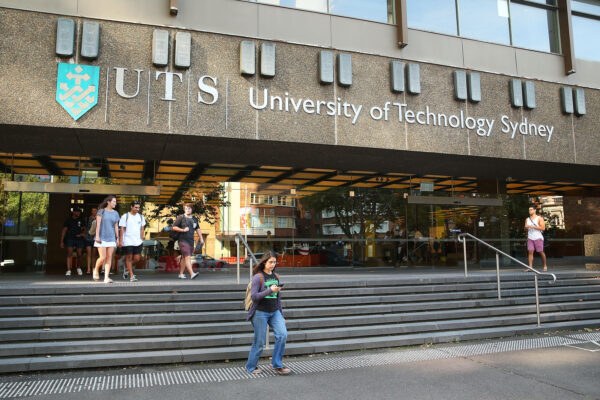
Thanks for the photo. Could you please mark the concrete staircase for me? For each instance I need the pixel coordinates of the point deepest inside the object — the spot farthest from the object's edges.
(66, 326)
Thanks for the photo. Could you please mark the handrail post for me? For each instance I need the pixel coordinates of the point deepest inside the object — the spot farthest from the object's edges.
(237, 245)
(498, 274)
(465, 253)
(537, 300)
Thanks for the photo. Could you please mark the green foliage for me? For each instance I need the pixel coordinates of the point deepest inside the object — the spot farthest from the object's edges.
(369, 207)
(205, 204)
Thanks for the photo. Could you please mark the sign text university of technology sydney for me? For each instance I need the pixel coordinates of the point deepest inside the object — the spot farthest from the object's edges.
(209, 88)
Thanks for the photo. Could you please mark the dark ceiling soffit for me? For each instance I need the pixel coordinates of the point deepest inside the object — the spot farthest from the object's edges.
(285, 175)
(189, 180)
(102, 163)
(149, 172)
(242, 174)
(49, 165)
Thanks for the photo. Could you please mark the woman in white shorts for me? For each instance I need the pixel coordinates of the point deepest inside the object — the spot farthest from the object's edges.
(107, 236)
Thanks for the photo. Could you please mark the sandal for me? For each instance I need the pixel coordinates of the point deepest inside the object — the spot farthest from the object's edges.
(256, 371)
(96, 277)
(281, 370)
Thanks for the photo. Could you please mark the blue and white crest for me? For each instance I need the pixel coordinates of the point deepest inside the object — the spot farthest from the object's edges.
(77, 88)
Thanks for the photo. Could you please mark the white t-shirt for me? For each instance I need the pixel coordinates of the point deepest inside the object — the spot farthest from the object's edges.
(133, 225)
(534, 234)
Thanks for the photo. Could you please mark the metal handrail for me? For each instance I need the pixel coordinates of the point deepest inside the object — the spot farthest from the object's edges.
(239, 238)
(463, 240)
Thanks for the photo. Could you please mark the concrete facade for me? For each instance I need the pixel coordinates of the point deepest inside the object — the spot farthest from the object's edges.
(372, 127)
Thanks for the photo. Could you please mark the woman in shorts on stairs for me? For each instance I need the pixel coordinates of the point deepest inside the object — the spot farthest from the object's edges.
(266, 310)
(107, 236)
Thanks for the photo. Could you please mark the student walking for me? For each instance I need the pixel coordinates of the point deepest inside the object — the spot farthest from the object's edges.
(266, 310)
(186, 225)
(535, 225)
(72, 237)
(89, 240)
(107, 236)
(132, 238)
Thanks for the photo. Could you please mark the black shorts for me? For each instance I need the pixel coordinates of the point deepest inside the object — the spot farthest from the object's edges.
(135, 250)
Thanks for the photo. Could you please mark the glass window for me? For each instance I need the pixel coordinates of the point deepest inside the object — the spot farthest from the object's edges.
(534, 28)
(586, 6)
(586, 32)
(484, 20)
(432, 15)
(372, 10)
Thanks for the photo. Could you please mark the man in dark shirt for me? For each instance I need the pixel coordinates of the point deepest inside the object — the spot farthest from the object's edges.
(72, 237)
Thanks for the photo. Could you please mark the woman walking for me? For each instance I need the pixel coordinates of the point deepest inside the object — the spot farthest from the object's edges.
(266, 310)
(107, 236)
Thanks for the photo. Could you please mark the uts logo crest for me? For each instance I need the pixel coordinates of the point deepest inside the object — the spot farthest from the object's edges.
(77, 88)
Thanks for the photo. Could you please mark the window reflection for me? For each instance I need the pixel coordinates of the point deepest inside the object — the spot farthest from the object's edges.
(534, 28)
(432, 15)
(485, 20)
(586, 6)
(372, 10)
(586, 32)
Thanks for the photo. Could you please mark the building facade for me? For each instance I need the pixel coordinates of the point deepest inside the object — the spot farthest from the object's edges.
(441, 121)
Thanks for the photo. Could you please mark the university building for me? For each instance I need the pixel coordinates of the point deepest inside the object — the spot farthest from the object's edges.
(372, 132)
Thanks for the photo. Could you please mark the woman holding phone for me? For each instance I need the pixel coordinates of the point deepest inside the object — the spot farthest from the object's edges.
(266, 310)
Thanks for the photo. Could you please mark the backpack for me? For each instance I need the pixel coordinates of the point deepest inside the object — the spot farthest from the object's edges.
(248, 299)
(92, 230)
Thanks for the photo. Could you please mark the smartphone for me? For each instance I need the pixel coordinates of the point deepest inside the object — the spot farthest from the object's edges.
(280, 285)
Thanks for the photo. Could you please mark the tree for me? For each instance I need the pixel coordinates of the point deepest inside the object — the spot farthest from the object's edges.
(368, 209)
(205, 201)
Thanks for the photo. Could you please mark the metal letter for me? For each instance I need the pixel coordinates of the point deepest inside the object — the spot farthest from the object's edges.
(65, 37)
(474, 86)
(183, 46)
(208, 89)
(566, 97)
(267, 59)
(460, 85)
(119, 83)
(90, 40)
(397, 75)
(168, 83)
(344, 69)
(529, 94)
(160, 48)
(579, 101)
(516, 93)
(247, 57)
(414, 79)
(325, 66)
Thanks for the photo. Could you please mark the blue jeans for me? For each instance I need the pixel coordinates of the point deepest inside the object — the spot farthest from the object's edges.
(259, 322)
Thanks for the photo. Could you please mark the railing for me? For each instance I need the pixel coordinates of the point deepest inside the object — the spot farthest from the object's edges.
(239, 238)
(463, 240)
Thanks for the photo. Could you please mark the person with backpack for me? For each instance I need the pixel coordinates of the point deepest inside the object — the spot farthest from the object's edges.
(266, 310)
(183, 231)
(132, 238)
(107, 236)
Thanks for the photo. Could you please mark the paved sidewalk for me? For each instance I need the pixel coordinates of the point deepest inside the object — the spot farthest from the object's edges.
(561, 366)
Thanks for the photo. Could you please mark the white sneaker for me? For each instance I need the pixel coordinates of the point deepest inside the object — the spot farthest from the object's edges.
(79, 271)
(181, 276)
(195, 274)
(108, 280)
(68, 272)
(133, 279)
(126, 275)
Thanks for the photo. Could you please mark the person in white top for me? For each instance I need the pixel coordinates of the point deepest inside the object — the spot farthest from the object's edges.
(132, 237)
(535, 225)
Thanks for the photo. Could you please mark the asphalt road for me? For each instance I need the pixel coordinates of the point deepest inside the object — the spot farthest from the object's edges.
(563, 372)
